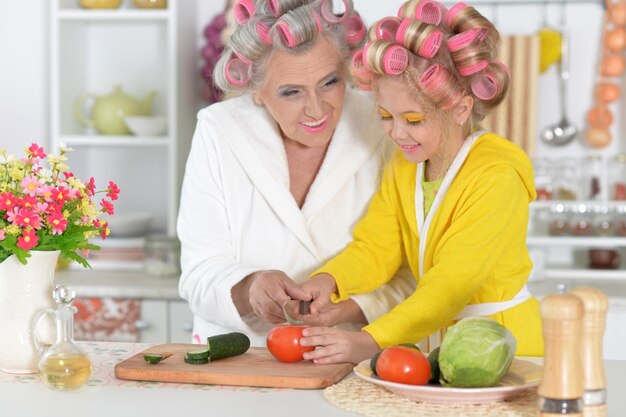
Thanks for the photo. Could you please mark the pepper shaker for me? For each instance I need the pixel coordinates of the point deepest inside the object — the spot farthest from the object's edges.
(561, 388)
(595, 304)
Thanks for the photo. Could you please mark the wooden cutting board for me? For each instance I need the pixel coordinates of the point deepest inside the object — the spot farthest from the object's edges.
(255, 368)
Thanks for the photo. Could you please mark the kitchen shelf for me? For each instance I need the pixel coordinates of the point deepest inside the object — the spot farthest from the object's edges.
(576, 241)
(546, 204)
(553, 272)
(113, 15)
(118, 141)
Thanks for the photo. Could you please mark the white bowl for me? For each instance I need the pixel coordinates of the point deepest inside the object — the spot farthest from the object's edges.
(146, 125)
(132, 224)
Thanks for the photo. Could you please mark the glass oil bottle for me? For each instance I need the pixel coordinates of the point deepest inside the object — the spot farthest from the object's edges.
(63, 365)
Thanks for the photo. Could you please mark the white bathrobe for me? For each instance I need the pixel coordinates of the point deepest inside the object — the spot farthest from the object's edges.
(237, 215)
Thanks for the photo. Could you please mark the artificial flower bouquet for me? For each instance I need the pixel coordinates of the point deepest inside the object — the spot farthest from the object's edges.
(47, 209)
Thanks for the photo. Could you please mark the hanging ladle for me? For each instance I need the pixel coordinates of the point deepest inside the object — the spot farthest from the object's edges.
(564, 131)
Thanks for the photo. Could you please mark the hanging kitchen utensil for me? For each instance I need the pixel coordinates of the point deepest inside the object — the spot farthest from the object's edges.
(564, 131)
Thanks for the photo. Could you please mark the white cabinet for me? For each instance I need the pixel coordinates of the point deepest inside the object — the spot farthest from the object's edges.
(165, 321)
(180, 322)
(93, 51)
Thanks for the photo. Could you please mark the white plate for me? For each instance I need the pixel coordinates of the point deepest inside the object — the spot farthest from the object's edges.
(521, 376)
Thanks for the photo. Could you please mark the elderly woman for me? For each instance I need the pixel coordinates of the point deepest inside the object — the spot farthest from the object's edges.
(454, 198)
(278, 176)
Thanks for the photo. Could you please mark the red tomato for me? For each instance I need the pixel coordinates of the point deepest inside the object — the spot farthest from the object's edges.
(404, 365)
(284, 343)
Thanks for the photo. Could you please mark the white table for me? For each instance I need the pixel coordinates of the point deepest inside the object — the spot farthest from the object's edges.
(106, 396)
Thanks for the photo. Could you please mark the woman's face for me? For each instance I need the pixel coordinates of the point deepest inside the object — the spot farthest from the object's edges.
(304, 93)
(417, 134)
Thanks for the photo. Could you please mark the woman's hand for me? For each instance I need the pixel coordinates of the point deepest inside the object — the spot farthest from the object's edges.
(266, 292)
(337, 345)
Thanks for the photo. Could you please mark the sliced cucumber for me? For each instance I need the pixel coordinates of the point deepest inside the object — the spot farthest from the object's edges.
(373, 362)
(198, 354)
(198, 361)
(153, 358)
(227, 345)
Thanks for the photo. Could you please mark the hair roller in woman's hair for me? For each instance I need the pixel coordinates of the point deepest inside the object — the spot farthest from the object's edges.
(385, 57)
(237, 72)
(441, 86)
(463, 39)
(243, 11)
(430, 11)
(385, 29)
(485, 86)
(326, 7)
(279, 7)
(264, 32)
(421, 38)
(362, 76)
(453, 12)
(473, 68)
(287, 35)
(354, 28)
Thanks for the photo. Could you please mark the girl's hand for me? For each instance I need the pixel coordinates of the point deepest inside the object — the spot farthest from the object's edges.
(335, 313)
(337, 345)
(320, 287)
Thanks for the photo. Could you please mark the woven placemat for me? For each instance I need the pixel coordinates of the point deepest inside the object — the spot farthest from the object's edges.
(363, 397)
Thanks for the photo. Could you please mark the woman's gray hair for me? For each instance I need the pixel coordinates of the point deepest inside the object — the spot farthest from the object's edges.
(254, 41)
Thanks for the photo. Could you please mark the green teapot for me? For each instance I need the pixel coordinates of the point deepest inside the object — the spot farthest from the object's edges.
(108, 112)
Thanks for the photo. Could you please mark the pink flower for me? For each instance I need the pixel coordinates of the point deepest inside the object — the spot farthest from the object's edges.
(12, 214)
(60, 194)
(30, 185)
(7, 201)
(113, 191)
(46, 192)
(91, 187)
(28, 240)
(28, 202)
(40, 208)
(107, 206)
(105, 229)
(26, 218)
(57, 222)
(2, 234)
(36, 151)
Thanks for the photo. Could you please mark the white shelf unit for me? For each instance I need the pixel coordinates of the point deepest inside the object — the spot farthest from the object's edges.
(576, 269)
(92, 51)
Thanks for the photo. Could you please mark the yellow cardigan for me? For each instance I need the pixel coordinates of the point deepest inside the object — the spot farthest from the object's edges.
(475, 252)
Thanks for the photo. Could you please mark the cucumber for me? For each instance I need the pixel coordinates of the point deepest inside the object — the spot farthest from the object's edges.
(197, 361)
(433, 358)
(373, 362)
(153, 358)
(227, 345)
(198, 354)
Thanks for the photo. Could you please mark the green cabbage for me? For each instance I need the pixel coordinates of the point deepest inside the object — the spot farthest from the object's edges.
(476, 352)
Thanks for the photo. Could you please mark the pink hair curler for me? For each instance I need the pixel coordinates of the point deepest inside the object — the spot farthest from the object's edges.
(364, 56)
(473, 68)
(387, 28)
(503, 66)
(360, 73)
(273, 6)
(463, 39)
(285, 34)
(454, 10)
(395, 60)
(327, 11)
(264, 32)
(485, 87)
(436, 83)
(354, 28)
(318, 21)
(430, 46)
(429, 11)
(241, 57)
(237, 72)
(243, 11)
(431, 78)
(402, 30)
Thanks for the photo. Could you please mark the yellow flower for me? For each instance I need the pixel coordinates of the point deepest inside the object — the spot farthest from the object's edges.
(75, 183)
(13, 229)
(16, 173)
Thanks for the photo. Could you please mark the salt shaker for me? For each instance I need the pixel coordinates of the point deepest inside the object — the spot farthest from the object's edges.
(595, 304)
(561, 388)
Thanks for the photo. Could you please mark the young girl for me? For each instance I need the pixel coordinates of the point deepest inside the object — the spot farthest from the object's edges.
(453, 201)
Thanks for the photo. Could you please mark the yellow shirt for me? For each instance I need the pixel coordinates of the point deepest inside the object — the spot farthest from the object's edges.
(430, 192)
(475, 251)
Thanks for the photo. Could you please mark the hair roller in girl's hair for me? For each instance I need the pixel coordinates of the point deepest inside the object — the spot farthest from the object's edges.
(354, 28)
(463, 39)
(384, 57)
(243, 11)
(421, 38)
(385, 29)
(441, 86)
(485, 86)
(501, 64)
(361, 75)
(430, 11)
(453, 12)
(328, 14)
(473, 68)
(237, 72)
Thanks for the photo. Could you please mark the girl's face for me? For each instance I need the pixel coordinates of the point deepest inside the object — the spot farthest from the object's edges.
(304, 93)
(416, 133)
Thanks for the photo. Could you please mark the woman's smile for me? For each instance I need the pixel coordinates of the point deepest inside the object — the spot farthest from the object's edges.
(316, 126)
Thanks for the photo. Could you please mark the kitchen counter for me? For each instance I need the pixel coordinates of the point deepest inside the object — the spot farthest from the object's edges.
(106, 396)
